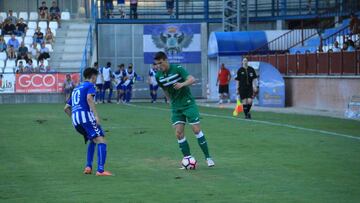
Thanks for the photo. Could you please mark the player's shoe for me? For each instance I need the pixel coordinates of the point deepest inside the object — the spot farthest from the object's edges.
(87, 170)
(210, 162)
(105, 173)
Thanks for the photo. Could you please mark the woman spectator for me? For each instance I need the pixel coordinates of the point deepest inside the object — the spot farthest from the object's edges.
(43, 11)
(34, 51)
(49, 37)
(2, 44)
(42, 67)
(38, 36)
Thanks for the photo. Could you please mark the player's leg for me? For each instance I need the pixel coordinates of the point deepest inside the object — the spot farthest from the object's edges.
(193, 117)
(103, 93)
(90, 157)
(156, 87)
(179, 120)
(110, 93)
(151, 87)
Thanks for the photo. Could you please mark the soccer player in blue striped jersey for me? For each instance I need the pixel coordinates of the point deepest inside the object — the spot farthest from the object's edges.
(81, 109)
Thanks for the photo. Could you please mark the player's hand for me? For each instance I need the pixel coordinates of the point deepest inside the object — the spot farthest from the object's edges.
(178, 85)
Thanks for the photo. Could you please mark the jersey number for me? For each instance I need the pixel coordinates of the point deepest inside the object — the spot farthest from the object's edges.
(76, 97)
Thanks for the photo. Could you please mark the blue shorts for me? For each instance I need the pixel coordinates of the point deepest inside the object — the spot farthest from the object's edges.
(120, 87)
(68, 91)
(154, 87)
(107, 85)
(99, 86)
(89, 130)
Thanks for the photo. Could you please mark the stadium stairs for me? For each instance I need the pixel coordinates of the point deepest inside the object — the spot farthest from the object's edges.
(69, 46)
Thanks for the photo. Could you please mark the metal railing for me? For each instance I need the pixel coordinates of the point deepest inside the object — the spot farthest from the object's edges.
(88, 50)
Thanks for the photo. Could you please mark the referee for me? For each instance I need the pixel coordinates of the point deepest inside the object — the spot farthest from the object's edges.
(247, 86)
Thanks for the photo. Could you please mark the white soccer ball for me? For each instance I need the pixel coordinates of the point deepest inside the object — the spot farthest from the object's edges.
(189, 163)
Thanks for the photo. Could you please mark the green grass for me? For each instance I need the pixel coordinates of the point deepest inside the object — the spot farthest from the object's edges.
(43, 162)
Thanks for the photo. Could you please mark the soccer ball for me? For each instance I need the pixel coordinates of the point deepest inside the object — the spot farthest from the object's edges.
(189, 163)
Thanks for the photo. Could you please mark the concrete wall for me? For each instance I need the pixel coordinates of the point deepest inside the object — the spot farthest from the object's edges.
(31, 98)
(322, 93)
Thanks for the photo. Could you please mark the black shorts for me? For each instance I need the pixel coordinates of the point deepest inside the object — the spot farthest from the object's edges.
(224, 89)
(246, 93)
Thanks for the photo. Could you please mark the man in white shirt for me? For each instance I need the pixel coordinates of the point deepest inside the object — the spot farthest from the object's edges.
(99, 84)
(107, 76)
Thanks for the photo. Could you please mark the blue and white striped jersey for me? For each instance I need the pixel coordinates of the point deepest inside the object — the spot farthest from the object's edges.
(80, 108)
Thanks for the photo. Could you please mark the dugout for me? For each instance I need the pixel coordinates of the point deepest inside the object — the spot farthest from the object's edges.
(229, 48)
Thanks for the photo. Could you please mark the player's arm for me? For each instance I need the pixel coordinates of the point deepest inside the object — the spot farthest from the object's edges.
(90, 101)
(67, 110)
(189, 79)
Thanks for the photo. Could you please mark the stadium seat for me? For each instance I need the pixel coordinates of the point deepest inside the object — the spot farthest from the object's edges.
(20, 39)
(46, 63)
(3, 56)
(35, 62)
(42, 25)
(30, 32)
(38, 46)
(65, 16)
(2, 64)
(49, 46)
(6, 38)
(28, 40)
(9, 69)
(54, 32)
(10, 64)
(3, 15)
(43, 31)
(34, 16)
(15, 14)
(32, 25)
(53, 25)
(23, 60)
(23, 15)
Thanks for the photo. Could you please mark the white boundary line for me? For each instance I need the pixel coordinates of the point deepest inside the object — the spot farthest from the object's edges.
(263, 122)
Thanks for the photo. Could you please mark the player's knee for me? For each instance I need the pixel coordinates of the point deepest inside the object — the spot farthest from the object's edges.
(196, 129)
(99, 139)
(179, 133)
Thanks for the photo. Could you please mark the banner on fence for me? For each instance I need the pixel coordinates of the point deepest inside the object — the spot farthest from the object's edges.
(7, 83)
(42, 83)
(181, 42)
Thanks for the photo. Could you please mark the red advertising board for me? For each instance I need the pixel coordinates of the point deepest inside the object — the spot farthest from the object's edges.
(42, 83)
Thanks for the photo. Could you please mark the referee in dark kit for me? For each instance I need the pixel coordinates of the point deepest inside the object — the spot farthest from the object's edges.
(247, 86)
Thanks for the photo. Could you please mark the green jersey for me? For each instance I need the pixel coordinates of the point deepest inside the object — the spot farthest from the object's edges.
(176, 73)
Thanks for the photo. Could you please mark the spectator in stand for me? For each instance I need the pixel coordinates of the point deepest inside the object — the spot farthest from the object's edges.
(354, 24)
(13, 42)
(34, 51)
(21, 27)
(43, 11)
(20, 68)
(223, 80)
(49, 37)
(42, 66)
(133, 9)
(170, 8)
(351, 45)
(38, 36)
(345, 47)
(22, 52)
(109, 7)
(29, 67)
(3, 45)
(44, 52)
(336, 47)
(12, 18)
(55, 13)
(8, 28)
(121, 4)
(11, 52)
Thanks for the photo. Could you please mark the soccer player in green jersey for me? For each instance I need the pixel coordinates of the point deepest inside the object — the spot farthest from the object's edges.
(175, 82)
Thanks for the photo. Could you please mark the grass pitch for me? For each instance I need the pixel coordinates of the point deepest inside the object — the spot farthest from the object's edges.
(42, 157)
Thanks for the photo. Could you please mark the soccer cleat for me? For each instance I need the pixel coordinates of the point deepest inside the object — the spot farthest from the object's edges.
(87, 170)
(210, 162)
(105, 173)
